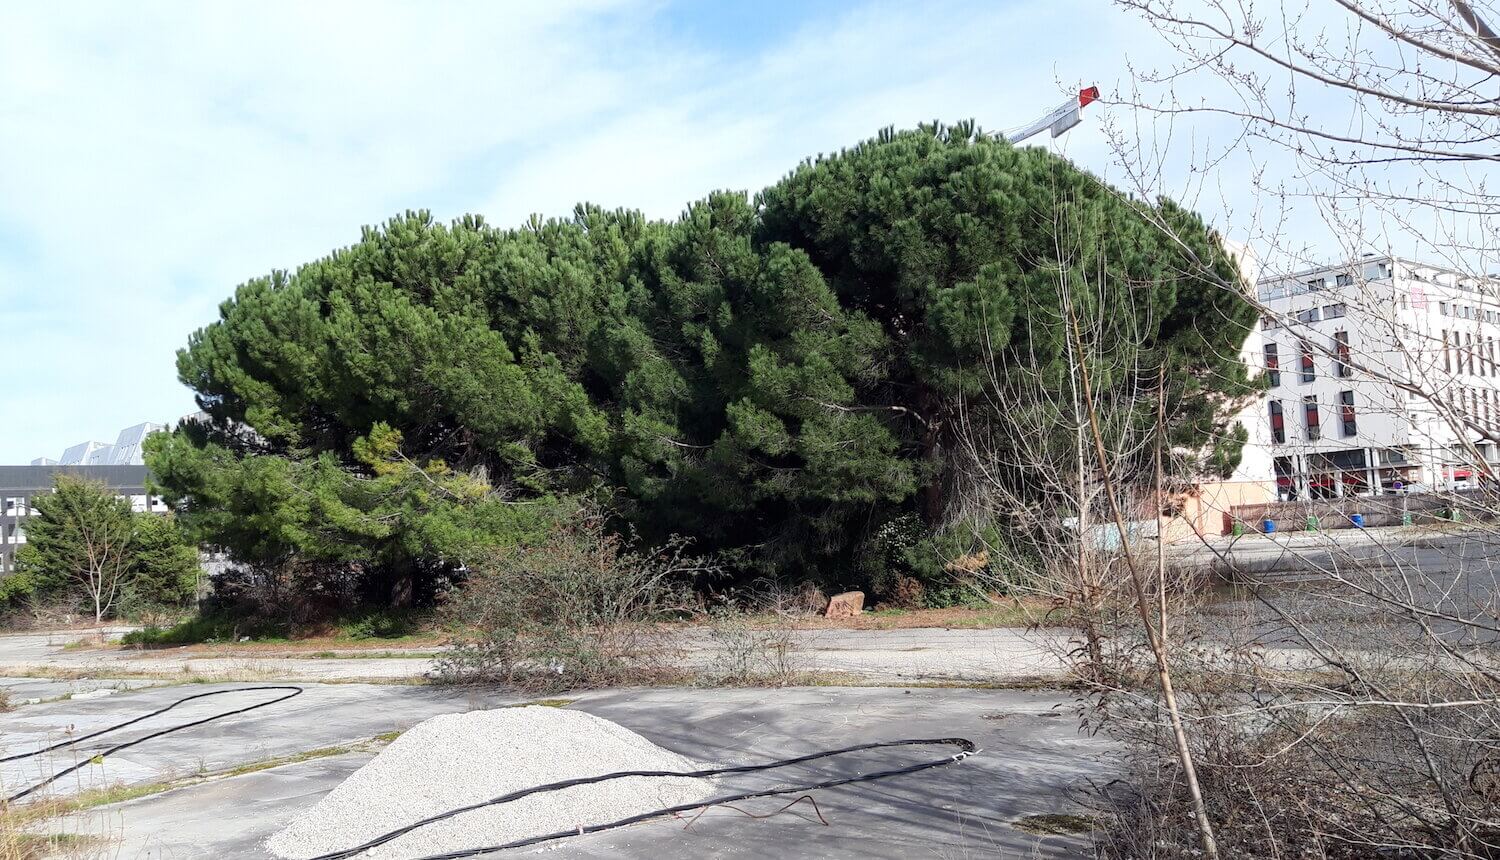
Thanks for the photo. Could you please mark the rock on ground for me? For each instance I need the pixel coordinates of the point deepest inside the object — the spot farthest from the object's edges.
(846, 605)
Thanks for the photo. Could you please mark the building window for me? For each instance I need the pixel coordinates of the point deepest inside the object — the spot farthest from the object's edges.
(1317, 283)
(1333, 312)
(1341, 366)
(1269, 322)
(1273, 365)
(1310, 418)
(1278, 423)
(1343, 280)
(1346, 414)
(1469, 353)
(1308, 316)
(1308, 371)
(1443, 308)
(1447, 355)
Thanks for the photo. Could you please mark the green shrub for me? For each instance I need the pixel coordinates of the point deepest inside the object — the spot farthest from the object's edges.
(904, 562)
(379, 624)
(17, 587)
(200, 629)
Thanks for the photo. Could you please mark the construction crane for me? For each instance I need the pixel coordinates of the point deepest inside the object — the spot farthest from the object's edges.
(1060, 119)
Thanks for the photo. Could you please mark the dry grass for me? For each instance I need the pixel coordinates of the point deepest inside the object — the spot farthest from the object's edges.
(1010, 612)
(21, 838)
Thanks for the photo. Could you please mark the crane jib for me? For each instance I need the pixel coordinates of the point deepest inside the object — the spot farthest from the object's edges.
(1060, 118)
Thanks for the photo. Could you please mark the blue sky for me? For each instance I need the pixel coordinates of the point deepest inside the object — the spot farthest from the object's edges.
(154, 155)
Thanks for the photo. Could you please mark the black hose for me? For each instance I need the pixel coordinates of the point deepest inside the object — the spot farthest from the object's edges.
(966, 749)
(296, 691)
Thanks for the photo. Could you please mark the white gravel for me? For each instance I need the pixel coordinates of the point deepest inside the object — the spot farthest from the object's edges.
(457, 759)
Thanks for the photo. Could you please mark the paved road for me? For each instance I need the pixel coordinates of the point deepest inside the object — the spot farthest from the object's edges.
(1350, 585)
(995, 655)
(1292, 552)
(1034, 760)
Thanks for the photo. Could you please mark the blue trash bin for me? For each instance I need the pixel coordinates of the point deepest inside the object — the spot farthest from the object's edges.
(1357, 520)
(1268, 526)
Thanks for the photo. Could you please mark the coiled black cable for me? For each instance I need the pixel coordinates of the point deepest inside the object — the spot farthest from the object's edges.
(295, 691)
(966, 748)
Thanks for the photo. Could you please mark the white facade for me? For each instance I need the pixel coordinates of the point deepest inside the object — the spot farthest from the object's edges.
(1385, 375)
(1255, 458)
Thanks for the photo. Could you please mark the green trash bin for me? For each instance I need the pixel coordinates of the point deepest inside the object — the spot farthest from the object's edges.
(1237, 529)
(1312, 524)
(1406, 519)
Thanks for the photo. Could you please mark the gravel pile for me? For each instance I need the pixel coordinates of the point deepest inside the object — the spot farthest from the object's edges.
(457, 759)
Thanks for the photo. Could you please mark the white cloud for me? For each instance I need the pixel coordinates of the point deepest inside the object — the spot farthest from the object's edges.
(742, 125)
(153, 156)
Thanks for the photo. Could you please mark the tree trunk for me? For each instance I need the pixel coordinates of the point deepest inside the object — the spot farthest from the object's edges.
(932, 492)
(401, 591)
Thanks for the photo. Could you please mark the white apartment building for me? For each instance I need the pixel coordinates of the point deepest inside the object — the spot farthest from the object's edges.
(1383, 377)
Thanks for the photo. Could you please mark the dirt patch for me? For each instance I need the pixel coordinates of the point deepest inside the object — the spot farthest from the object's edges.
(320, 647)
(1011, 612)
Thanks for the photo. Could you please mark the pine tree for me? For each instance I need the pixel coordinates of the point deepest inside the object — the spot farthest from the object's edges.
(776, 377)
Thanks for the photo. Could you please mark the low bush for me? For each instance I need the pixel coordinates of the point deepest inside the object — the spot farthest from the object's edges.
(203, 629)
(379, 624)
(1309, 780)
(580, 608)
(40, 614)
(751, 649)
(1332, 721)
(906, 564)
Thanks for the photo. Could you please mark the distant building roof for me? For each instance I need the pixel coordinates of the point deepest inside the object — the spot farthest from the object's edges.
(127, 450)
(78, 455)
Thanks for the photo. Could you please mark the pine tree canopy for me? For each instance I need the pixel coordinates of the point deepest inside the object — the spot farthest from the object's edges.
(776, 377)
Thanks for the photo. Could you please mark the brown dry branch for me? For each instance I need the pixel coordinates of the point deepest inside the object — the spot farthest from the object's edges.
(1342, 699)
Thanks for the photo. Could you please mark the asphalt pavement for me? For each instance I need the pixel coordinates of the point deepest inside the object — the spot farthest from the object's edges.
(1034, 761)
